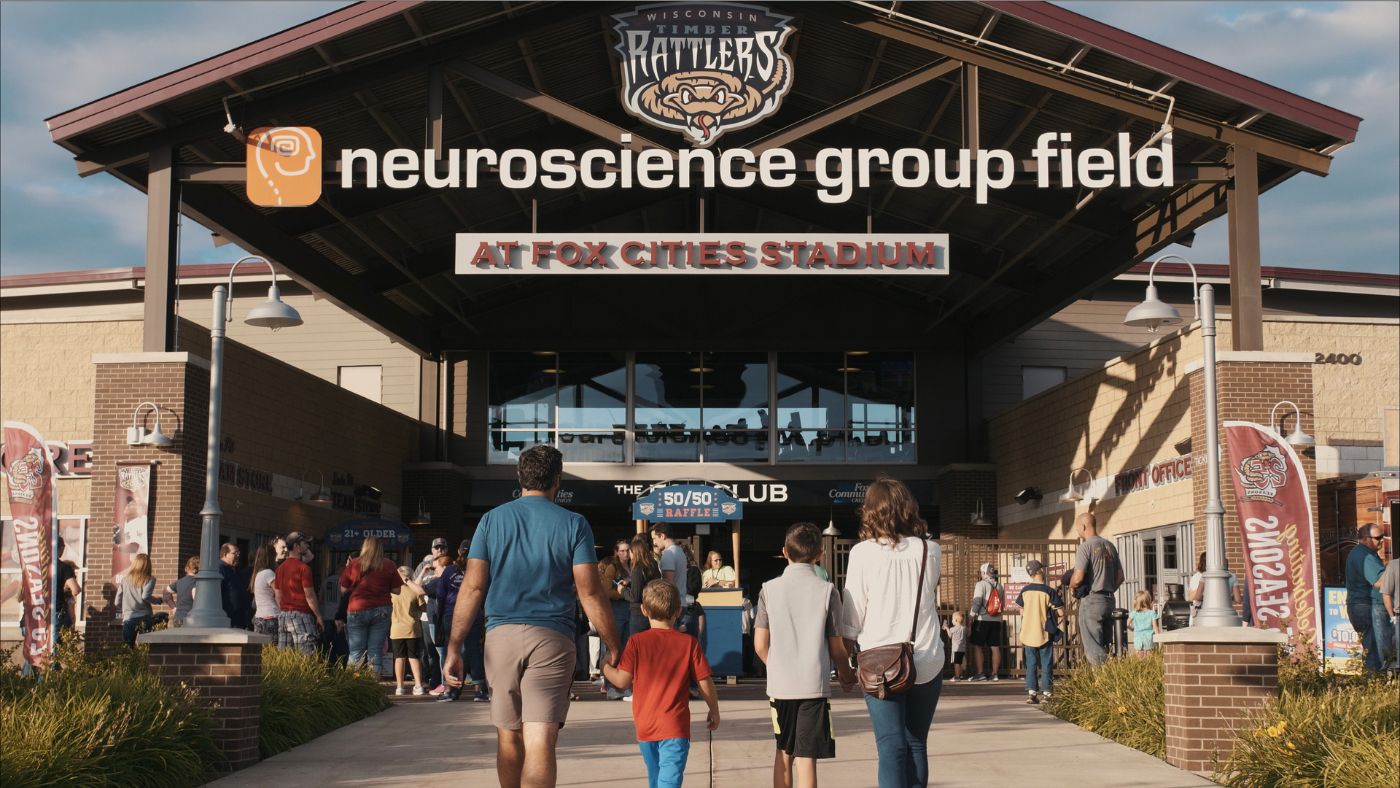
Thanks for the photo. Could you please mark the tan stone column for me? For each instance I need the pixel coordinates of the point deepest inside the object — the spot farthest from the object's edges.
(1215, 678)
(225, 667)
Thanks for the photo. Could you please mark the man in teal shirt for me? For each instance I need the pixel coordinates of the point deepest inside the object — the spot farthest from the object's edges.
(525, 561)
(1364, 568)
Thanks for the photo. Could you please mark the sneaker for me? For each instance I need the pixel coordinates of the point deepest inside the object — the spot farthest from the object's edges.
(481, 697)
(445, 699)
(399, 691)
(1033, 700)
(419, 689)
(627, 699)
(978, 677)
(438, 690)
(1045, 695)
(994, 678)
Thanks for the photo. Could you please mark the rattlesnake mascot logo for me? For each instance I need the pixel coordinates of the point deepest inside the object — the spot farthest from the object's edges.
(1263, 473)
(23, 476)
(705, 68)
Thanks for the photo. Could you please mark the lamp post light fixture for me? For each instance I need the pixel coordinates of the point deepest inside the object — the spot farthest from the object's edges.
(136, 435)
(322, 495)
(1297, 438)
(1216, 610)
(1072, 495)
(979, 517)
(424, 516)
(273, 313)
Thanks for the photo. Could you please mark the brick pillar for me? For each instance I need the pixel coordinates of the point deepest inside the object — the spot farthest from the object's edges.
(179, 384)
(1215, 678)
(959, 488)
(1249, 385)
(225, 667)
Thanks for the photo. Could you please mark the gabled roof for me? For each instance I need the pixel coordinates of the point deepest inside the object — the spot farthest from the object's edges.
(362, 75)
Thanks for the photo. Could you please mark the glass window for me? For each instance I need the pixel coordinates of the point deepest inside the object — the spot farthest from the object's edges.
(1037, 379)
(593, 391)
(523, 390)
(846, 407)
(669, 388)
(734, 401)
(367, 381)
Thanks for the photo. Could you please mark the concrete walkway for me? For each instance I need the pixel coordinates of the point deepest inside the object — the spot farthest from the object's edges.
(983, 735)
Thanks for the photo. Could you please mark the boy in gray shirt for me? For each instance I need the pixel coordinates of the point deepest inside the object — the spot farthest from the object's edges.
(795, 626)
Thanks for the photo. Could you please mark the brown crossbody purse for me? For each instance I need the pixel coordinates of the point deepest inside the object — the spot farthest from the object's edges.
(889, 670)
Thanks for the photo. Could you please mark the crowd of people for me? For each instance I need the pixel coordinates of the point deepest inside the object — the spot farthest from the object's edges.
(508, 616)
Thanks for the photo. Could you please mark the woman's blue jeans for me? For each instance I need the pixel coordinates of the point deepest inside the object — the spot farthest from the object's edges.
(621, 618)
(366, 631)
(1038, 665)
(901, 725)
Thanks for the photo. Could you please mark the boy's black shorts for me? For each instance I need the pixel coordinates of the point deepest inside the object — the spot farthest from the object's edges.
(407, 648)
(958, 657)
(803, 727)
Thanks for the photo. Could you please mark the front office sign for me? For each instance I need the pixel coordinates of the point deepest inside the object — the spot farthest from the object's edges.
(693, 253)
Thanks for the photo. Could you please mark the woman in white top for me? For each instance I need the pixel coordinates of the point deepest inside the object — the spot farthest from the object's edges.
(882, 583)
(265, 601)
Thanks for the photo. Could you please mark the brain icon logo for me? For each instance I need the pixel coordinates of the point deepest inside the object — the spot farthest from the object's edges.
(284, 166)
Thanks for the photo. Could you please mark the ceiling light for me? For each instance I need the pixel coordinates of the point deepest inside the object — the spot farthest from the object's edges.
(848, 369)
(979, 518)
(698, 370)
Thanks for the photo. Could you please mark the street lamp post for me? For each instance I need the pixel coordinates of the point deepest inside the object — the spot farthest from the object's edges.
(1216, 610)
(208, 611)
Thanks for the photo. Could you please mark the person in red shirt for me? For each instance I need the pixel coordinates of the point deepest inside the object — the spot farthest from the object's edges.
(369, 580)
(663, 663)
(299, 613)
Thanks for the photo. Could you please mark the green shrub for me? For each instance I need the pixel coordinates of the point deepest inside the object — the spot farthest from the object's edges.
(1344, 735)
(101, 719)
(1122, 700)
(303, 698)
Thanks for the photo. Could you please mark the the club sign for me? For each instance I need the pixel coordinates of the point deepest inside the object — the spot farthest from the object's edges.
(692, 253)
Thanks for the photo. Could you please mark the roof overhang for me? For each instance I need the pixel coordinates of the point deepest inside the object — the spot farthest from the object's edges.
(544, 75)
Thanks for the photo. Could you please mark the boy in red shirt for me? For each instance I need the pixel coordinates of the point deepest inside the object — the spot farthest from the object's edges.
(663, 663)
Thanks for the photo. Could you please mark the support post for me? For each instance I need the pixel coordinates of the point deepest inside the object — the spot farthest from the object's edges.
(735, 525)
(162, 252)
(208, 611)
(972, 132)
(432, 134)
(1216, 610)
(429, 406)
(1246, 292)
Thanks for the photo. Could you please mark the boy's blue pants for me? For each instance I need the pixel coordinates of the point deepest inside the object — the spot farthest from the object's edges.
(665, 761)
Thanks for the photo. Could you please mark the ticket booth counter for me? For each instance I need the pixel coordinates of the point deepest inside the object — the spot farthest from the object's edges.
(701, 504)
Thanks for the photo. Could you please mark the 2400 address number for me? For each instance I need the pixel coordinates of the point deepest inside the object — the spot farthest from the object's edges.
(1352, 359)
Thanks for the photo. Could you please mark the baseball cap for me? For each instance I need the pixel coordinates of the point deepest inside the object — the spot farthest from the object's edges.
(440, 542)
(988, 569)
(1034, 567)
(295, 538)
(466, 543)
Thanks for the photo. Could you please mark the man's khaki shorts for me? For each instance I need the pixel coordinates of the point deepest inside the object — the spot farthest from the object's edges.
(530, 669)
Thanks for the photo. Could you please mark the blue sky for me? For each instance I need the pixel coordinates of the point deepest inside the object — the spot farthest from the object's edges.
(57, 55)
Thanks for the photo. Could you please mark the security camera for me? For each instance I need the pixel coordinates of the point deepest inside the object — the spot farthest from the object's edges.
(1027, 495)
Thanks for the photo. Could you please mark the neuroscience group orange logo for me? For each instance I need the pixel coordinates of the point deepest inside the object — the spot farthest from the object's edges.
(284, 166)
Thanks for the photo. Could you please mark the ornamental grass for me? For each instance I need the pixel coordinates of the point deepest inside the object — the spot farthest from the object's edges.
(101, 719)
(1325, 728)
(303, 697)
(1122, 700)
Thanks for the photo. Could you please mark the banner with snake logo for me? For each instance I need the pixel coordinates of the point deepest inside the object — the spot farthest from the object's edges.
(702, 69)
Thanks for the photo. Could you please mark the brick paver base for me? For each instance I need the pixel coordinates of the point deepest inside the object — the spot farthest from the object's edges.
(1210, 689)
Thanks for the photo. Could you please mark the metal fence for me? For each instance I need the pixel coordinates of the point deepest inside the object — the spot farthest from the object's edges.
(962, 560)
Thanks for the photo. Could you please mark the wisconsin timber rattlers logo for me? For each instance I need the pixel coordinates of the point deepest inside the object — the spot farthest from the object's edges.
(702, 69)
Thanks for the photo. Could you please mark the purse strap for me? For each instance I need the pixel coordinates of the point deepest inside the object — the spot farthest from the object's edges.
(918, 595)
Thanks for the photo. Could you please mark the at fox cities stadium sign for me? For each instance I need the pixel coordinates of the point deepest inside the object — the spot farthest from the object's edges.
(702, 69)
